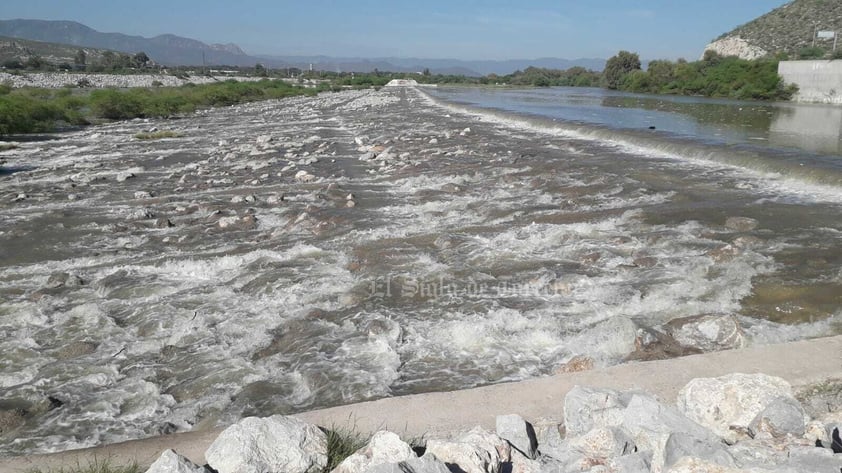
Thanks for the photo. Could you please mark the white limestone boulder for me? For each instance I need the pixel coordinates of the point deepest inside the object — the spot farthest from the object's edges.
(277, 444)
(172, 462)
(383, 448)
(727, 405)
(680, 445)
(710, 332)
(477, 451)
(651, 424)
(604, 442)
(519, 433)
(586, 408)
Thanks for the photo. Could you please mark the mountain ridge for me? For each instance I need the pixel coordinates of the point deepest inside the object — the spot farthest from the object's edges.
(166, 49)
(170, 49)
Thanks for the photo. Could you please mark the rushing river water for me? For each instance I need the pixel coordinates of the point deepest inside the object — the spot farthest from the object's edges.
(317, 251)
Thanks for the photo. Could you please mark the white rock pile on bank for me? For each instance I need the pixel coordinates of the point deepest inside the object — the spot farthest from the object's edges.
(57, 80)
(735, 423)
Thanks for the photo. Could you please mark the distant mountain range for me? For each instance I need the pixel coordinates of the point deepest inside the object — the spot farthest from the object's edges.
(165, 49)
(175, 50)
(438, 66)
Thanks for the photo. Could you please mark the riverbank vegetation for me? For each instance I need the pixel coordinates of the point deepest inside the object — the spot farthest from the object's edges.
(713, 76)
(31, 110)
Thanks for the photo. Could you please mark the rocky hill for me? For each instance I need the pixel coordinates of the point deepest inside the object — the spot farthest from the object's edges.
(787, 29)
(23, 49)
(163, 49)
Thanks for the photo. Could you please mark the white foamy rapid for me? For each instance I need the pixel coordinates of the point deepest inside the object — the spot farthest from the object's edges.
(289, 255)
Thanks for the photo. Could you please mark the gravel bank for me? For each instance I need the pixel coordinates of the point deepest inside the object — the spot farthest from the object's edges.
(50, 80)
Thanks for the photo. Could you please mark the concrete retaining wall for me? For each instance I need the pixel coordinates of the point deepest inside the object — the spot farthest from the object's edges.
(817, 81)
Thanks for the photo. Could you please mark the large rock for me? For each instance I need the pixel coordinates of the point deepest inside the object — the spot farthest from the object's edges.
(586, 408)
(760, 453)
(741, 224)
(172, 462)
(519, 433)
(609, 340)
(276, 444)
(680, 445)
(639, 462)
(728, 405)
(383, 448)
(488, 441)
(783, 416)
(478, 451)
(425, 464)
(707, 332)
(520, 464)
(813, 460)
(464, 456)
(651, 424)
(604, 443)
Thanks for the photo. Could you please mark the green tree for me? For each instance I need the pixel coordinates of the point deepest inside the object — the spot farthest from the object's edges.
(81, 58)
(661, 73)
(35, 62)
(618, 67)
(140, 60)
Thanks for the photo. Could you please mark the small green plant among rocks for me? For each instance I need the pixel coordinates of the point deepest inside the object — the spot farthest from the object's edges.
(341, 444)
(158, 135)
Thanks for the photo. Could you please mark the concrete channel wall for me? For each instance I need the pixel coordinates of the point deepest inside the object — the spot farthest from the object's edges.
(817, 81)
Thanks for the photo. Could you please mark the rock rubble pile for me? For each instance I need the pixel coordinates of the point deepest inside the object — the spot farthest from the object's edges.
(735, 423)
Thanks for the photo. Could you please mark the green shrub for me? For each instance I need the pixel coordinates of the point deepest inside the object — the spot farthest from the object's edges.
(813, 52)
(115, 105)
(25, 114)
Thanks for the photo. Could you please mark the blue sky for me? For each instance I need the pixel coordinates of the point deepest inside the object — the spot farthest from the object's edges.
(469, 29)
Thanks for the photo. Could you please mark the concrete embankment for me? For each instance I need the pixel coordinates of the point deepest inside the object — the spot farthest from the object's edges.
(817, 81)
(803, 363)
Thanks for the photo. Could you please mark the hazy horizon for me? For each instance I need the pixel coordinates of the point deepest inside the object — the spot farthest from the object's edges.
(467, 30)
